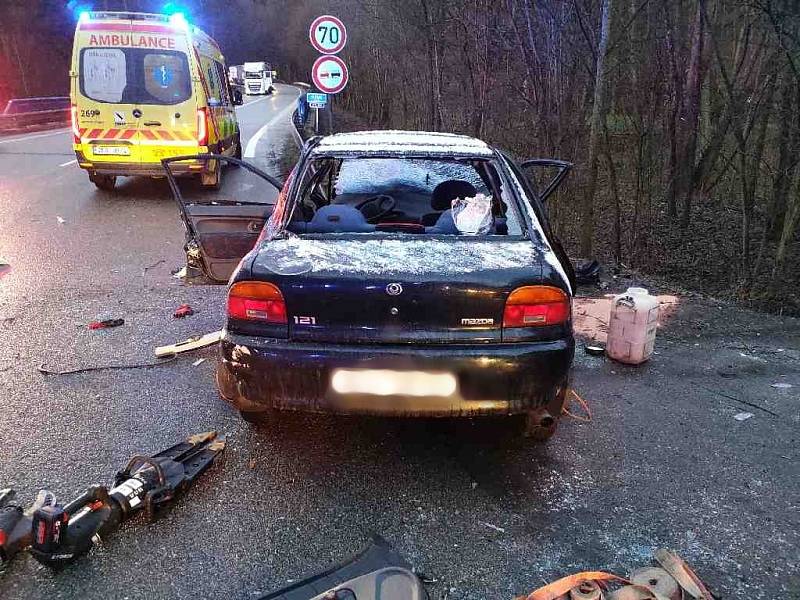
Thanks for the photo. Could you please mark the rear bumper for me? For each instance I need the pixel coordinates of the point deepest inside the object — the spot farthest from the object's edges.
(152, 169)
(258, 373)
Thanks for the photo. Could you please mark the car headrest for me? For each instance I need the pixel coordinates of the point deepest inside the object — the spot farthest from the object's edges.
(447, 191)
(339, 218)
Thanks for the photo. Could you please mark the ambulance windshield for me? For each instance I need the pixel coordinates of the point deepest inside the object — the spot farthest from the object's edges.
(135, 76)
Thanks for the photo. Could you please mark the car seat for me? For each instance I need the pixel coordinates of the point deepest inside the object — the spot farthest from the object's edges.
(339, 218)
(443, 196)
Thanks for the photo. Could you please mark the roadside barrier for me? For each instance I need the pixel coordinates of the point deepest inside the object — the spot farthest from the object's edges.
(26, 113)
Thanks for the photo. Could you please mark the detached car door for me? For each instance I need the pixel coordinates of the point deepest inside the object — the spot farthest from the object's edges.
(222, 225)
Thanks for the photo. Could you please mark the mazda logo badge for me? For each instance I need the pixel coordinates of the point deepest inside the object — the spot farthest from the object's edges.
(394, 289)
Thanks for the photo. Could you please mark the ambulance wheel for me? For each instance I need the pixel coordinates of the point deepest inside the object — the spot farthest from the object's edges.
(104, 182)
(212, 179)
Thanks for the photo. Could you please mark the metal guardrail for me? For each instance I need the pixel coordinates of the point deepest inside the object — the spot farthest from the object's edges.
(23, 113)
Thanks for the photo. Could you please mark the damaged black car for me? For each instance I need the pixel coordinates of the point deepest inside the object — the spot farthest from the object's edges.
(393, 273)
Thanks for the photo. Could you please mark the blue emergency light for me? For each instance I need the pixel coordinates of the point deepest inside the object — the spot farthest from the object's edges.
(178, 19)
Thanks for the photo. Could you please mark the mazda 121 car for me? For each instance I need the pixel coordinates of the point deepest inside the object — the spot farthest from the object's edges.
(393, 273)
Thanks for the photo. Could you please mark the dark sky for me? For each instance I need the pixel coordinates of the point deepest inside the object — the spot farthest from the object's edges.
(36, 37)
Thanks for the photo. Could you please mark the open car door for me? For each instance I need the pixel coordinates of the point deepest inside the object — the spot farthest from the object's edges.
(542, 176)
(545, 174)
(222, 224)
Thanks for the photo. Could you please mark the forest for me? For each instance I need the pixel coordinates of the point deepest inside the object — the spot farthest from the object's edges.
(682, 117)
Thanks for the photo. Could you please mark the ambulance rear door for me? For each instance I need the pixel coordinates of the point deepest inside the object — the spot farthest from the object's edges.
(167, 102)
(105, 99)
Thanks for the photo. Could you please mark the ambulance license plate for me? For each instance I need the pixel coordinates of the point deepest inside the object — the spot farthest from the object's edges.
(111, 150)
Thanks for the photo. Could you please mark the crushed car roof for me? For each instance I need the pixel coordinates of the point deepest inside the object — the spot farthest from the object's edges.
(402, 142)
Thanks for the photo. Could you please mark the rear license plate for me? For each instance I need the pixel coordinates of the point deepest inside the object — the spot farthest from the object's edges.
(111, 150)
(385, 382)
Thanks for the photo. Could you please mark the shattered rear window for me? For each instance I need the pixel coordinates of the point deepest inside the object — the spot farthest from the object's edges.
(441, 196)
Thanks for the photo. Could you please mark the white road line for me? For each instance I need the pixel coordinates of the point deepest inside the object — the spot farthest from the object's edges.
(250, 150)
(33, 137)
(246, 104)
(70, 162)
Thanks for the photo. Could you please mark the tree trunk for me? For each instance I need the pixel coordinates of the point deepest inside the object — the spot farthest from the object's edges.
(598, 118)
(691, 116)
(674, 115)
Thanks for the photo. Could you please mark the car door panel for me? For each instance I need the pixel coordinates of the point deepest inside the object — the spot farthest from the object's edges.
(222, 225)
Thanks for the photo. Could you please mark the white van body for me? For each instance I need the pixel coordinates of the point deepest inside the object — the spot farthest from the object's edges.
(257, 78)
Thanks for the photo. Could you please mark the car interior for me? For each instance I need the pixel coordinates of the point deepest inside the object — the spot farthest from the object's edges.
(397, 195)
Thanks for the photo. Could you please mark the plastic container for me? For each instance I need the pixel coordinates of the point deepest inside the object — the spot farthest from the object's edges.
(632, 326)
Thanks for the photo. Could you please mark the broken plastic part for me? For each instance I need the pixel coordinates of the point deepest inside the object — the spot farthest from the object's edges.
(106, 324)
(194, 259)
(587, 272)
(184, 310)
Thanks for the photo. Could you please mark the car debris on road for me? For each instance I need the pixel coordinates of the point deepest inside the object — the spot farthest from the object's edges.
(673, 579)
(57, 534)
(379, 572)
(193, 343)
(106, 323)
(184, 310)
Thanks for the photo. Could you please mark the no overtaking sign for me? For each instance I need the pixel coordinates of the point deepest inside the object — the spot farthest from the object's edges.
(329, 74)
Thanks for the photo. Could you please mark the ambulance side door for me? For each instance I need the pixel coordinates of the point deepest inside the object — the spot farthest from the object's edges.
(216, 92)
(231, 125)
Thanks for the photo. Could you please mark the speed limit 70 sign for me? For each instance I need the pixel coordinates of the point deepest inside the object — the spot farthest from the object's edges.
(327, 34)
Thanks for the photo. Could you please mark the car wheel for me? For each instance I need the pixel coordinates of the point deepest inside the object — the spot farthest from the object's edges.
(104, 182)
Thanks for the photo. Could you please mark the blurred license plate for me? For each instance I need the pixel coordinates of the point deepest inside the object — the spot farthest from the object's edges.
(112, 150)
(385, 382)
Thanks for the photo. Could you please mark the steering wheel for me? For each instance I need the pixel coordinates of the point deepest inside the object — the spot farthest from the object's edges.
(384, 205)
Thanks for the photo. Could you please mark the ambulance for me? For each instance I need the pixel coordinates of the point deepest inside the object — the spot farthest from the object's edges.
(144, 87)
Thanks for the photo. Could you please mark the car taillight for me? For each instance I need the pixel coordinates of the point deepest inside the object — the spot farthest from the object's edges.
(536, 306)
(256, 301)
(202, 126)
(73, 117)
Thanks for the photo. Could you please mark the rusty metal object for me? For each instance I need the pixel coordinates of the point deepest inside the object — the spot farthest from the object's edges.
(586, 590)
(632, 592)
(658, 580)
(683, 574)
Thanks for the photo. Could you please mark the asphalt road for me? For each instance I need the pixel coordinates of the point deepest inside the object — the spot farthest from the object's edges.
(663, 462)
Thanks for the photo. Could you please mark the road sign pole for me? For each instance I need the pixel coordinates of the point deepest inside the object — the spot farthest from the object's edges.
(316, 121)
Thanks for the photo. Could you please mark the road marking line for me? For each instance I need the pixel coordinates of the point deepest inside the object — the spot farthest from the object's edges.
(250, 150)
(246, 104)
(71, 162)
(33, 137)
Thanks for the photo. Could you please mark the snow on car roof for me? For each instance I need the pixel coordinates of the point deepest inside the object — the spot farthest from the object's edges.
(403, 142)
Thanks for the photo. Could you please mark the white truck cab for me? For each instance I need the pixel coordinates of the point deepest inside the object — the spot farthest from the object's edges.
(257, 78)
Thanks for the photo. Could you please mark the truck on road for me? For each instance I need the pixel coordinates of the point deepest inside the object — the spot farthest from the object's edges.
(258, 78)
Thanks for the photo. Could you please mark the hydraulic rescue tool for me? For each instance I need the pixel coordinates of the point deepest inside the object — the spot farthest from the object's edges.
(58, 534)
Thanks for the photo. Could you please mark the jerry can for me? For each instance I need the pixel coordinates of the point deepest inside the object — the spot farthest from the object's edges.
(632, 326)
